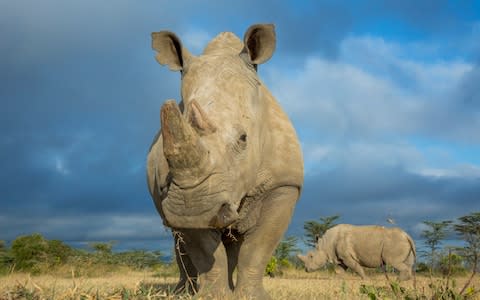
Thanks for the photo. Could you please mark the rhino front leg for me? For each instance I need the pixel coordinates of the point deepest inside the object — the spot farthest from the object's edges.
(354, 265)
(260, 242)
(205, 249)
(232, 248)
(188, 273)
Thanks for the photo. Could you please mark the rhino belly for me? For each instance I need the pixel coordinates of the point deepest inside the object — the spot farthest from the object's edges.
(368, 253)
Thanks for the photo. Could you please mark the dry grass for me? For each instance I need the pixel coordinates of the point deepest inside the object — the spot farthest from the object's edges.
(148, 285)
(322, 285)
(127, 285)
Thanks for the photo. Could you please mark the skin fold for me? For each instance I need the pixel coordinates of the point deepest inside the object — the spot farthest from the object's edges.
(225, 170)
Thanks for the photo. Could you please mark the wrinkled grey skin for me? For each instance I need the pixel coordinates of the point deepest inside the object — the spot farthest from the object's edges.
(225, 170)
(354, 247)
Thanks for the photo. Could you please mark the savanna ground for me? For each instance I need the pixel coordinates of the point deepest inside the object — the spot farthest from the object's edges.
(293, 284)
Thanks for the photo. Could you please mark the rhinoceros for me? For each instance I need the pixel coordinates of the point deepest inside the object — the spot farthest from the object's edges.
(226, 169)
(363, 246)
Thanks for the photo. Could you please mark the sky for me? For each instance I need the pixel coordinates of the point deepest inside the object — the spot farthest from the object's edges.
(384, 95)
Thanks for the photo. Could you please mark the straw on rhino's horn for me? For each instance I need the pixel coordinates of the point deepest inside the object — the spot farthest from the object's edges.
(180, 141)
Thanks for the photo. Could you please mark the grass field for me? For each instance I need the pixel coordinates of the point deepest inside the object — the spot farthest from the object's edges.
(294, 284)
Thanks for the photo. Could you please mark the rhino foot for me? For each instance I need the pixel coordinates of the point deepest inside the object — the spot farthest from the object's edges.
(215, 294)
(258, 293)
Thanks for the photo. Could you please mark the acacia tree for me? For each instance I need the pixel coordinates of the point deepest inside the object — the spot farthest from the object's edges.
(282, 257)
(315, 230)
(285, 248)
(468, 229)
(433, 236)
(102, 248)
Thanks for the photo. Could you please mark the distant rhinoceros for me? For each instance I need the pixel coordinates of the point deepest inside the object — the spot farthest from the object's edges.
(363, 246)
(226, 169)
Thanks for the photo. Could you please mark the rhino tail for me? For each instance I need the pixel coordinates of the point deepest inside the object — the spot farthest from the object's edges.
(412, 246)
(414, 267)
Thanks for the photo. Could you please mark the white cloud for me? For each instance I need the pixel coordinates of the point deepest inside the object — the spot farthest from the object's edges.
(128, 226)
(367, 105)
(340, 99)
(60, 166)
(458, 170)
(371, 89)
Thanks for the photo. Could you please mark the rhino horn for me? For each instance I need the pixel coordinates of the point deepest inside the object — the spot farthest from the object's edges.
(301, 257)
(181, 143)
(199, 119)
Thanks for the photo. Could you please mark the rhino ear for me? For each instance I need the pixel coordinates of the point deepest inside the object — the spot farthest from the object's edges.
(259, 43)
(169, 50)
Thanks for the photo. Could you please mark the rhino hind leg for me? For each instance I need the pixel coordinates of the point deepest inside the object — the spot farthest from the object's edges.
(404, 267)
(260, 242)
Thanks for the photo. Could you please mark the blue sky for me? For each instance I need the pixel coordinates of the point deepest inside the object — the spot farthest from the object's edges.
(384, 96)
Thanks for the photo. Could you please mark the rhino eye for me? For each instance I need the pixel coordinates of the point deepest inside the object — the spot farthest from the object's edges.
(243, 138)
(241, 143)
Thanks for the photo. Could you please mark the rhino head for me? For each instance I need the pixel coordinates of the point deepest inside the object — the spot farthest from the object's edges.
(213, 140)
(313, 260)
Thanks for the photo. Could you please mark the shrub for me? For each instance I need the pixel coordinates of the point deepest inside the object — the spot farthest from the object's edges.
(35, 254)
(452, 264)
(29, 251)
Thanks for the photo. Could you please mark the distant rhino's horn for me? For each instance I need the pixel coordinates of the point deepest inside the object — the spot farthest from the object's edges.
(199, 119)
(181, 144)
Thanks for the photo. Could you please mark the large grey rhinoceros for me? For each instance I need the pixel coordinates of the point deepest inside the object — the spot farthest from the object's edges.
(226, 169)
(363, 246)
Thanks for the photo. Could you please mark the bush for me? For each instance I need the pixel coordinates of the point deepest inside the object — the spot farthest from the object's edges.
(138, 259)
(6, 259)
(452, 264)
(29, 251)
(33, 253)
(422, 268)
(58, 253)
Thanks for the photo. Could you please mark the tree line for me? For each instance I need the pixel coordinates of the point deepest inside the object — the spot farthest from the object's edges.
(33, 253)
(36, 254)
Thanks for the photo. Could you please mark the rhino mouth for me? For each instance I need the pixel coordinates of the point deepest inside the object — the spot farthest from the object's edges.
(202, 205)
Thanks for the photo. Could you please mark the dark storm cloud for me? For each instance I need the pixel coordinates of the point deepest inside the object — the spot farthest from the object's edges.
(371, 194)
(80, 96)
(76, 102)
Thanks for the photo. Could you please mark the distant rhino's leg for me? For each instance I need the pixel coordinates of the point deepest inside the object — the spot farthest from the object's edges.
(260, 242)
(339, 269)
(354, 265)
(188, 273)
(208, 255)
(404, 267)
